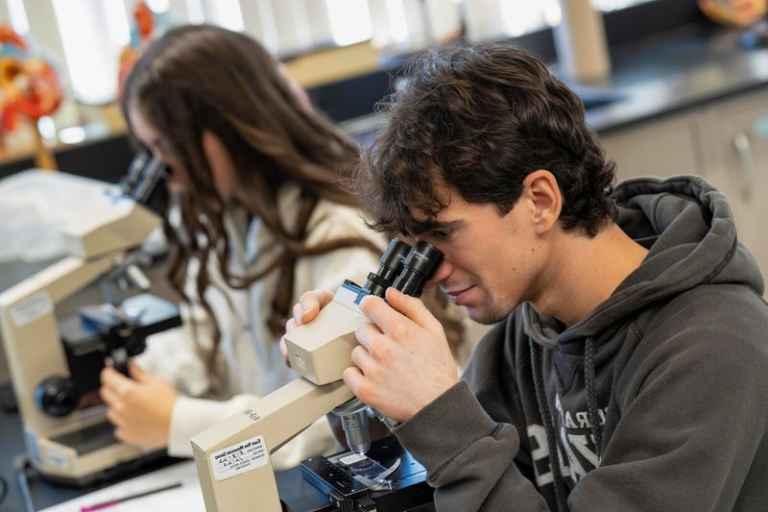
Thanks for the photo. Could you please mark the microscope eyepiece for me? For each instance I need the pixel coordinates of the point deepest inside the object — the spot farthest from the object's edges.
(407, 269)
(134, 174)
(145, 183)
(418, 268)
(390, 265)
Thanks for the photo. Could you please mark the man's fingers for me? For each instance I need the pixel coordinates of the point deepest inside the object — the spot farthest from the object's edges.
(305, 311)
(298, 311)
(389, 317)
(307, 308)
(413, 308)
(310, 305)
(354, 379)
(367, 334)
(283, 348)
(362, 359)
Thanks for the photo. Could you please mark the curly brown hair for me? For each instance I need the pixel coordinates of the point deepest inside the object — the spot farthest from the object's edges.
(479, 119)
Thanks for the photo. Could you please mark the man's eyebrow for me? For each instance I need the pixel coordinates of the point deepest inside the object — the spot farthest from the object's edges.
(428, 226)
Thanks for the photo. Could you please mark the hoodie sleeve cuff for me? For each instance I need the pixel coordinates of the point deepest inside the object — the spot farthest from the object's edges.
(444, 428)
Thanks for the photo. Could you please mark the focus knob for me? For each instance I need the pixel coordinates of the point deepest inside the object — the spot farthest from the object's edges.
(57, 396)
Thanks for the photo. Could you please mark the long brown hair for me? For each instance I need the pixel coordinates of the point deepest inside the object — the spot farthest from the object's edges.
(203, 78)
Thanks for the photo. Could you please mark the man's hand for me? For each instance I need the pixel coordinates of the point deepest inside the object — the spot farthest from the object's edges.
(403, 361)
(140, 408)
(305, 311)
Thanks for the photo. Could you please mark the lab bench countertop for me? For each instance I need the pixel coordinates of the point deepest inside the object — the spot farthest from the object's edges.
(669, 72)
(685, 68)
(43, 494)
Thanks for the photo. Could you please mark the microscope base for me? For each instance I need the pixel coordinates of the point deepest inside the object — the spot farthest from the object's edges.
(111, 474)
(87, 456)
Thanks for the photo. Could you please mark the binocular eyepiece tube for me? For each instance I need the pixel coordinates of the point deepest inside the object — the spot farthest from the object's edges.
(390, 265)
(418, 267)
(406, 269)
(145, 183)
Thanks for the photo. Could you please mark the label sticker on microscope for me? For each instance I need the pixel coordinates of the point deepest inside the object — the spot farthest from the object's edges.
(301, 364)
(239, 458)
(56, 459)
(31, 308)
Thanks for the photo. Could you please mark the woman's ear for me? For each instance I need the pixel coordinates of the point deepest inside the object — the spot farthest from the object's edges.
(222, 166)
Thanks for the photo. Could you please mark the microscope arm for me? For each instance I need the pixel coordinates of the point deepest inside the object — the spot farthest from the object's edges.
(319, 352)
(232, 457)
(63, 278)
(96, 244)
(31, 335)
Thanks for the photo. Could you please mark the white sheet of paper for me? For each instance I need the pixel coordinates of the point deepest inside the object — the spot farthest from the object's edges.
(188, 497)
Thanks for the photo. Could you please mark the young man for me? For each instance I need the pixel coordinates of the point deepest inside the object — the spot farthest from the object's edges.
(629, 366)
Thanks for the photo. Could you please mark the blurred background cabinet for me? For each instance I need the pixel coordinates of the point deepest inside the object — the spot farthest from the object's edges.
(725, 141)
(737, 158)
(664, 147)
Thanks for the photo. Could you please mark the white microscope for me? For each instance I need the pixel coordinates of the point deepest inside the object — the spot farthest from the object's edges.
(233, 457)
(54, 365)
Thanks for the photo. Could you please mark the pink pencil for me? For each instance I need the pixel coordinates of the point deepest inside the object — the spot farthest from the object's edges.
(117, 501)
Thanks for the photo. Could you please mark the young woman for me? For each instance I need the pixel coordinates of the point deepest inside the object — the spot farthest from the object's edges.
(257, 218)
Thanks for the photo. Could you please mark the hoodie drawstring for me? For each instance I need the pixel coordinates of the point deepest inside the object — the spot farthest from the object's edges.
(589, 380)
(546, 414)
(549, 427)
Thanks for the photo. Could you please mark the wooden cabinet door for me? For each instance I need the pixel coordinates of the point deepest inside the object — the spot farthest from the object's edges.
(738, 164)
(663, 147)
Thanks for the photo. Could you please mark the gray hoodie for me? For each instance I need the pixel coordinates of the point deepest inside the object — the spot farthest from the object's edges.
(658, 400)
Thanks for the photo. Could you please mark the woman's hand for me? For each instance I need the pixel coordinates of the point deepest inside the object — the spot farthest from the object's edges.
(140, 407)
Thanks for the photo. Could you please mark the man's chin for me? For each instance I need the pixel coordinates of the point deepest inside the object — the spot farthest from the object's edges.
(483, 317)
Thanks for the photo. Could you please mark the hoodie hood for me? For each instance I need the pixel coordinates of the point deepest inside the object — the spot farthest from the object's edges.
(690, 232)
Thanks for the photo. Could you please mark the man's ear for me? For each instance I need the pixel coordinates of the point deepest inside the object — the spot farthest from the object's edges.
(541, 189)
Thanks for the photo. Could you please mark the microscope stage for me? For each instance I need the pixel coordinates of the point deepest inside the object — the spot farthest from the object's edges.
(334, 484)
